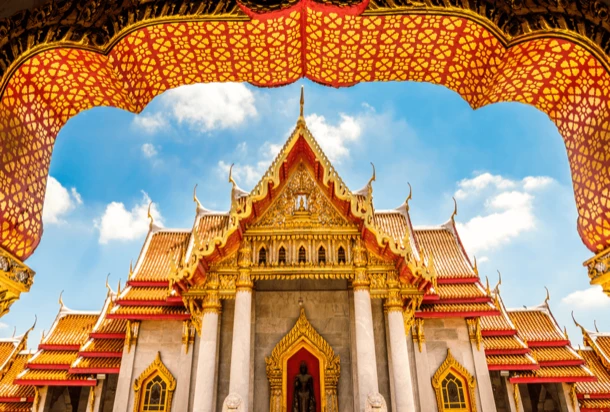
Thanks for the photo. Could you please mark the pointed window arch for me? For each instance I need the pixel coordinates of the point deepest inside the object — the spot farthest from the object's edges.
(302, 255)
(281, 256)
(454, 387)
(341, 255)
(262, 256)
(321, 255)
(154, 388)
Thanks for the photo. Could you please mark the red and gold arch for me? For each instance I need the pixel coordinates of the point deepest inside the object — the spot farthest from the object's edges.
(61, 58)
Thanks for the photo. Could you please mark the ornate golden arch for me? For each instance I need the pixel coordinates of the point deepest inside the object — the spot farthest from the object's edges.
(450, 365)
(303, 335)
(157, 368)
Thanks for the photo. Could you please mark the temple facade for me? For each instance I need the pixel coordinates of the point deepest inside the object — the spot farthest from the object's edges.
(305, 298)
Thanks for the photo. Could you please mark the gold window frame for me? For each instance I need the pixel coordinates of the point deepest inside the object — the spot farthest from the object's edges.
(157, 368)
(450, 365)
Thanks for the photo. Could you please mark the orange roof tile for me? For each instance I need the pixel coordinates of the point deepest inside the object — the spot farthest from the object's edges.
(557, 372)
(394, 223)
(460, 291)
(536, 325)
(54, 357)
(15, 406)
(7, 388)
(603, 343)
(71, 329)
(50, 375)
(449, 258)
(96, 363)
(112, 326)
(145, 293)
(209, 226)
(503, 343)
(163, 247)
(555, 353)
(496, 323)
(148, 310)
(594, 404)
(104, 345)
(602, 386)
(6, 349)
(458, 308)
(510, 360)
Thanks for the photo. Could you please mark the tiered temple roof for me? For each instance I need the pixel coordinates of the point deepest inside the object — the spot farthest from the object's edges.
(595, 396)
(550, 347)
(13, 357)
(51, 364)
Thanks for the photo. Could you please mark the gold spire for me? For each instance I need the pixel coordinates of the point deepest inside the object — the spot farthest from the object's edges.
(301, 120)
(410, 196)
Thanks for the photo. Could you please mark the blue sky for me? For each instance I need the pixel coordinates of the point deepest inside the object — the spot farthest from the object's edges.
(506, 164)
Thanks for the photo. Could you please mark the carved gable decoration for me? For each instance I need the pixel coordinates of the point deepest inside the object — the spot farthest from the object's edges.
(301, 204)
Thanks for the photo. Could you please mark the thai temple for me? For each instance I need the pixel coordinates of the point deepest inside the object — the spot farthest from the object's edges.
(305, 298)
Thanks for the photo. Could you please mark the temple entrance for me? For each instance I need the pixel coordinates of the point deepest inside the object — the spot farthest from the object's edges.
(303, 371)
(303, 383)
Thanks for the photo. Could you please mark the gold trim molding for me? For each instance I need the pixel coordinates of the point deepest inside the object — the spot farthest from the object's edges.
(303, 335)
(474, 331)
(15, 278)
(599, 270)
(452, 365)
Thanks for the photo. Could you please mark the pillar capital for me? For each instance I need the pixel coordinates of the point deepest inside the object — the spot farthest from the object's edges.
(211, 301)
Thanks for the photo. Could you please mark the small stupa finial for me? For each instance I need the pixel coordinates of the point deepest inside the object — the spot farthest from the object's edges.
(302, 102)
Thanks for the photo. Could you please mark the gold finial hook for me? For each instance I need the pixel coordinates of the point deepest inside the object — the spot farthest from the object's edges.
(61, 302)
(150, 216)
(130, 270)
(487, 286)
(14, 331)
(196, 199)
(499, 282)
(476, 268)
(595, 324)
(455, 209)
(107, 285)
(118, 291)
(410, 195)
(577, 324)
(231, 180)
(372, 179)
(302, 102)
(548, 296)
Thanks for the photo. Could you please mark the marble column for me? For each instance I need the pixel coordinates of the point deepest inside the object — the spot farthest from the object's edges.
(239, 377)
(365, 340)
(208, 347)
(401, 370)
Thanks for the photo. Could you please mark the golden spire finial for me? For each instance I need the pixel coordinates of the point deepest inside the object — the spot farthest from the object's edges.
(455, 210)
(302, 102)
(118, 291)
(107, 285)
(61, 302)
(487, 290)
(578, 324)
(476, 268)
(410, 195)
(565, 333)
(150, 216)
(497, 288)
(130, 270)
(548, 296)
(595, 324)
(231, 180)
(195, 199)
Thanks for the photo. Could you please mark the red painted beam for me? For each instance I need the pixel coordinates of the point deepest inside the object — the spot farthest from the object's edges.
(15, 399)
(148, 283)
(47, 367)
(521, 351)
(107, 335)
(593, 396)
(506, 332)
(440, 301)
(560, 379)
(124, 302)
(149, 317)
(78, 371)
(546, 344)
(453, 281)
(88, 382)
(574, 362)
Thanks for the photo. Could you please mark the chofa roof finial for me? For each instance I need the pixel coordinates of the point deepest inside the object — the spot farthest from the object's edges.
(410, 195)
(548, 296)
(373, 177)
(302, 103)
(595, 325)
(196, 199)
(497, 287)
(61, 301)
(152, 221)
(107, 285)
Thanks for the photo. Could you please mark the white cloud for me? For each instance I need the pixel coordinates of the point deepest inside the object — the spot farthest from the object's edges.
(335, 139)
(149, 150)
(118, 223)
(210, 106)
(591, 298)
(58, 202)
(509, 209)
(150, 123)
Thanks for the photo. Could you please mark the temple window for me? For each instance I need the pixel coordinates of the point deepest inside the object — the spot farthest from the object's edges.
(154, 388)
(321, 255)
(281, 256)
(454, 386)
(262, 256)
(302, 255)
(341, 255)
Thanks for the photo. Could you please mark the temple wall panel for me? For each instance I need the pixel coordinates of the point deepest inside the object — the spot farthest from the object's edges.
(452, 333)
(500, 392)
(224, 352)
(381, 348)
(164, 337)
(276, 312)
(109, 393)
